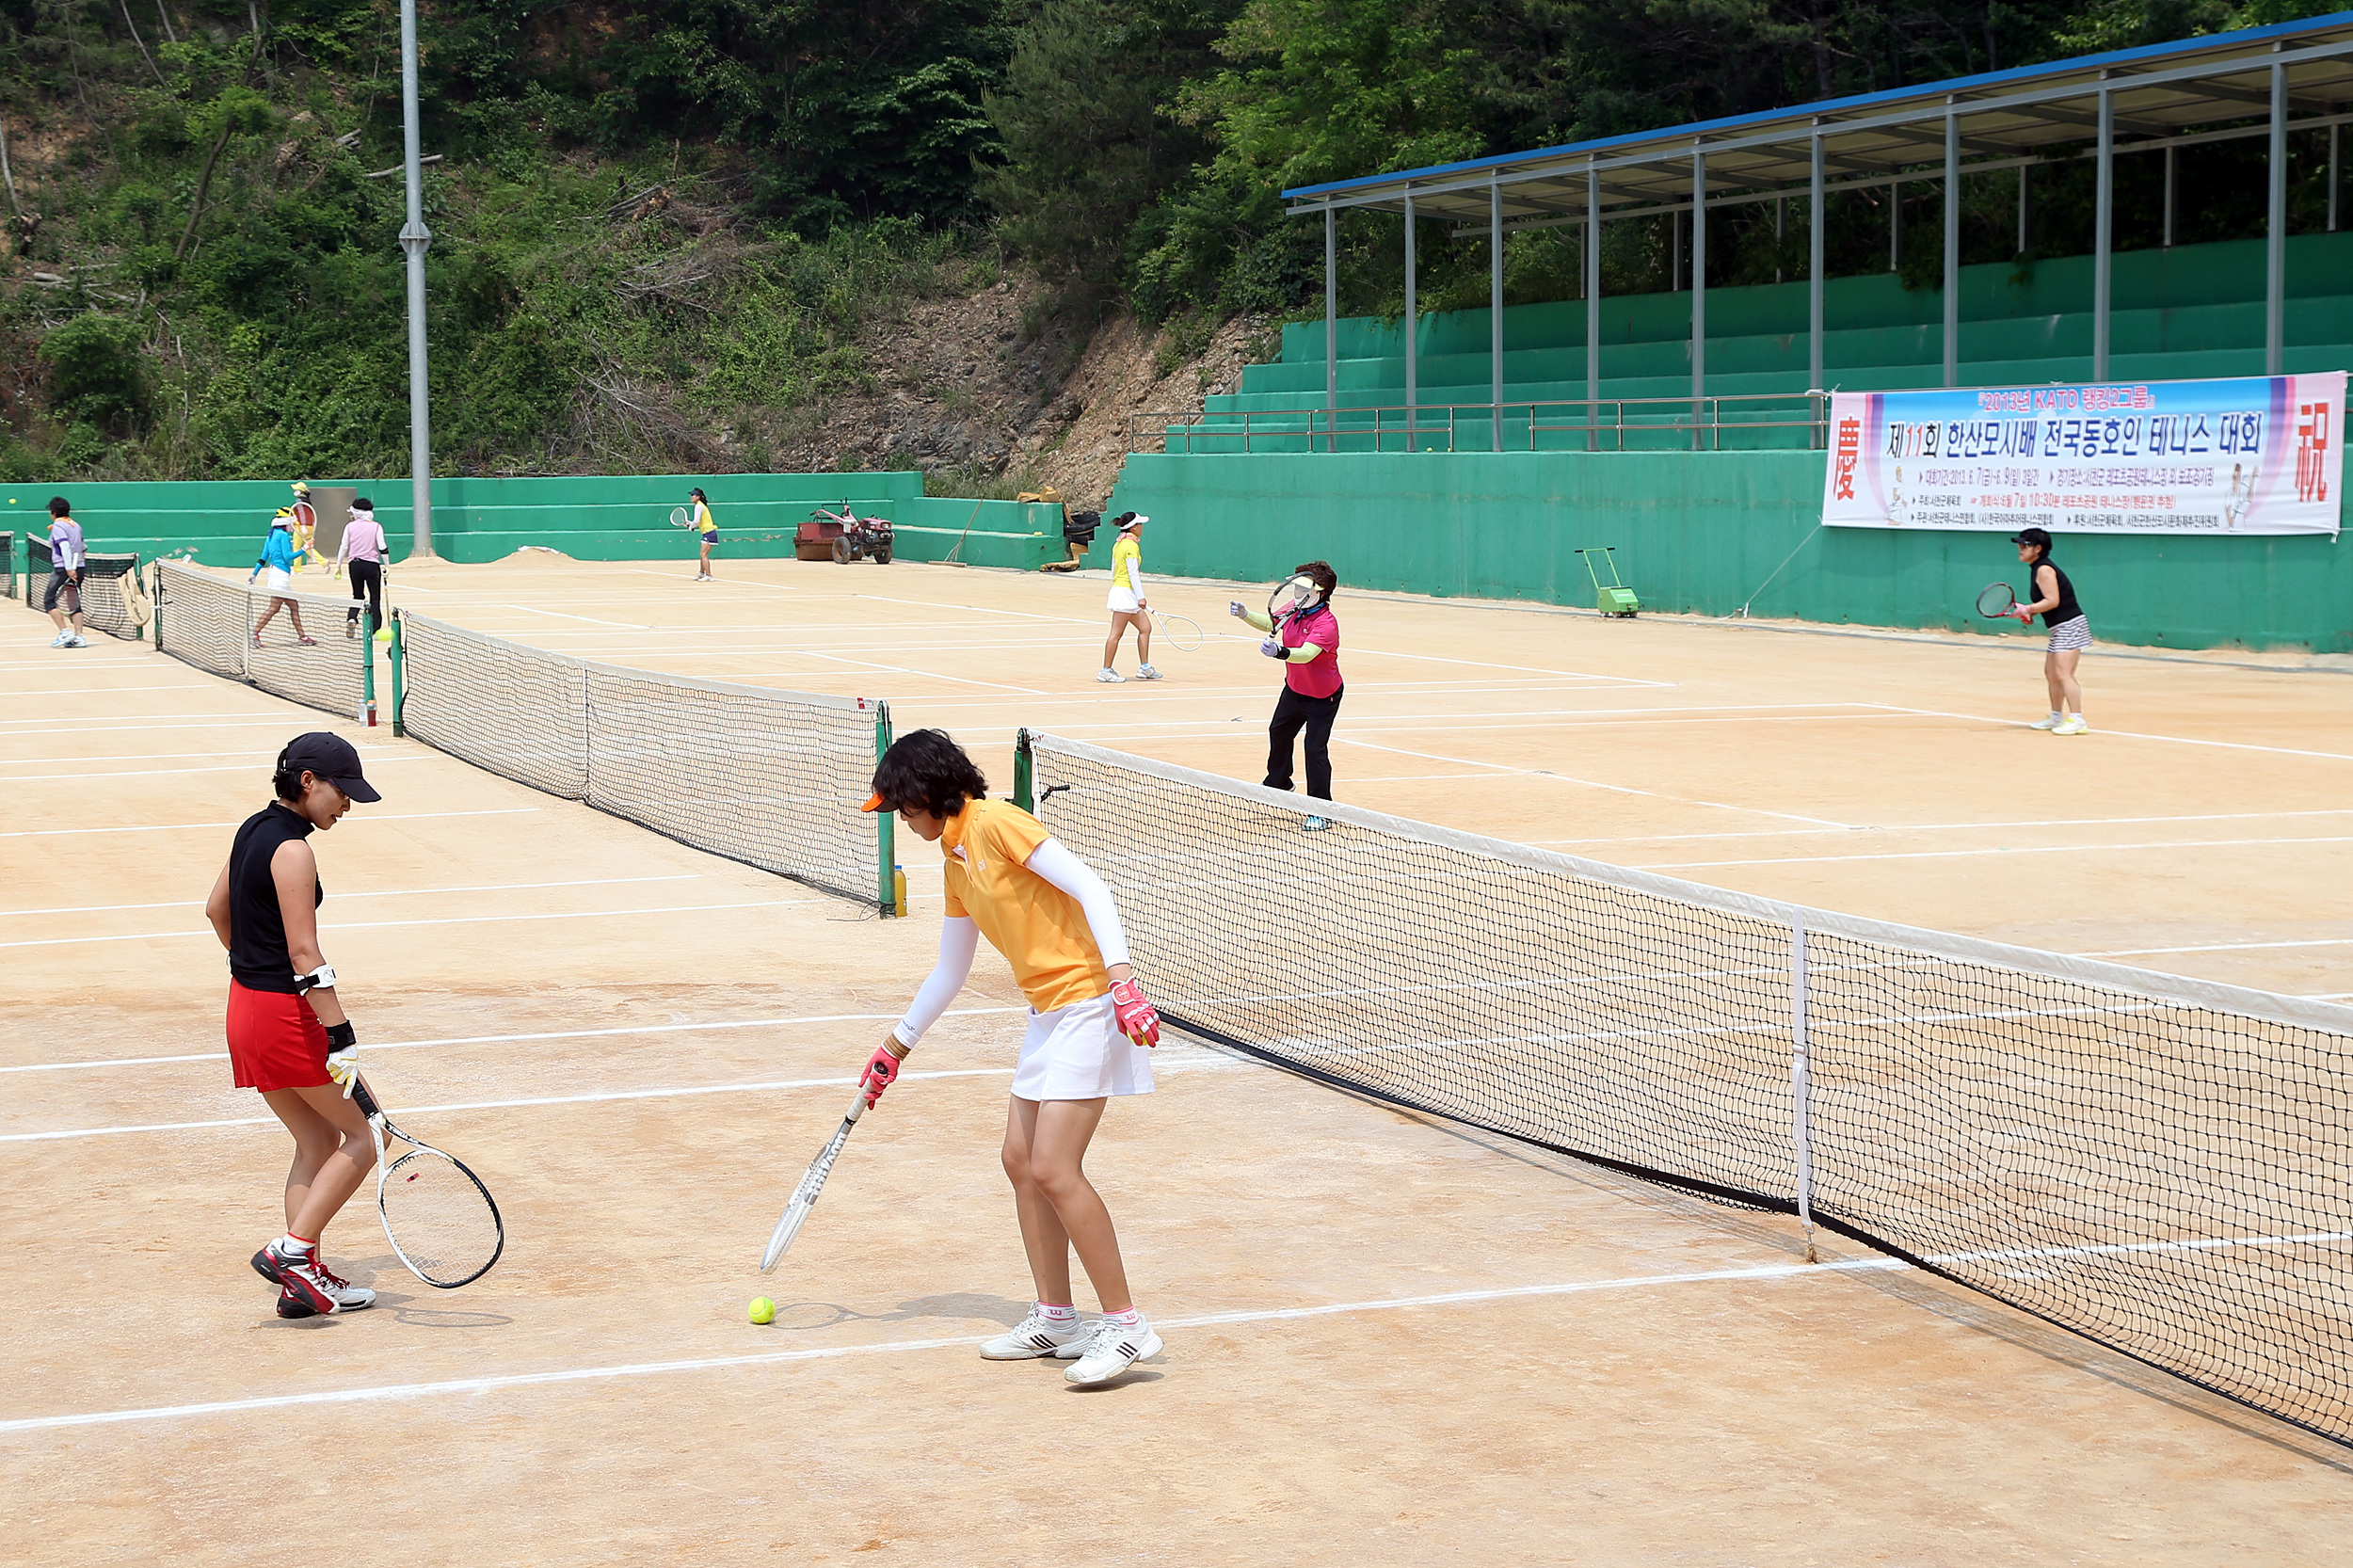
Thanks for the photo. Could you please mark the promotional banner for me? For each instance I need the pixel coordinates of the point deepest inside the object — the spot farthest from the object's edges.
(2259, 455)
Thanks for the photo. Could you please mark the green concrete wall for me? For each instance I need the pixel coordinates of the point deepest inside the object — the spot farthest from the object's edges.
(1697, 533)
(592, 518)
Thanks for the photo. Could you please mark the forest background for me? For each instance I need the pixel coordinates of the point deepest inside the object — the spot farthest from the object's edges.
(685, 234)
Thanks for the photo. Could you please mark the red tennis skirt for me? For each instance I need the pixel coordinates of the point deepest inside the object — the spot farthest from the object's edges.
(275, 1040)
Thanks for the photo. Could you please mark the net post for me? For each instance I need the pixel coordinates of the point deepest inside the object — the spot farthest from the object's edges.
(1024, 772)
(155, 570)
(367, 667)
(1800, 1087)
(399, 658)
(886, 846)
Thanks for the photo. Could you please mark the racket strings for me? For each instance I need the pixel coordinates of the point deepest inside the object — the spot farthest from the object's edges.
(440, 1218)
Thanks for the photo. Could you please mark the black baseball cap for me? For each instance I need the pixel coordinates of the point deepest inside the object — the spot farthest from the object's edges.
(331, 758)
(2031, 535)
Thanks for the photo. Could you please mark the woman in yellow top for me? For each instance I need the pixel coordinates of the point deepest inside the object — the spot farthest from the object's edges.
(1037, 903)
(1127, 604)
(708, 529)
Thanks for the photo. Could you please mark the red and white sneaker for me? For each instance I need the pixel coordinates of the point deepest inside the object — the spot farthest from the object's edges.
(308, 1289)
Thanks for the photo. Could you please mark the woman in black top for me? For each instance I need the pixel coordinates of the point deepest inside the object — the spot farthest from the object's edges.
(288, 1036)
(2053, 599)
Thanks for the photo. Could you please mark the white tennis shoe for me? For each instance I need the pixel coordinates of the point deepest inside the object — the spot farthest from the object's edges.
(1146, 672)
(76, 640)
(2073, 727)
(1110, 1350)
(2048, 721)
(58, 641)
(1038, 1336)
(1108, 676)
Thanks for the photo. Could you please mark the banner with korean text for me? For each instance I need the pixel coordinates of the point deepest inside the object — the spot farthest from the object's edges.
(2258, 454)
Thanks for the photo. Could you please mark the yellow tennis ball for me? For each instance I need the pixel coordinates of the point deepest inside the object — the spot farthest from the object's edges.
(762, 1310)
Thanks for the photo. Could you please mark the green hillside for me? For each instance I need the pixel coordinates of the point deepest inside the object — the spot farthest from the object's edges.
(666, 230)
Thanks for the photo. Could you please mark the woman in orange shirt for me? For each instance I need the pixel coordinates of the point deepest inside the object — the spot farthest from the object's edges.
(1010, 881)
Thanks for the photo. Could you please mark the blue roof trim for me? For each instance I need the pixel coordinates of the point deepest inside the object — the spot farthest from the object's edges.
(1833, 106)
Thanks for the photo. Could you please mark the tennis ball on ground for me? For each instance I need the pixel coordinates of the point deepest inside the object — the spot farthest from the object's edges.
(762, 1310)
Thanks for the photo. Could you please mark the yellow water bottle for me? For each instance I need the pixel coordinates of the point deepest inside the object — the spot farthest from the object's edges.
(899, 890)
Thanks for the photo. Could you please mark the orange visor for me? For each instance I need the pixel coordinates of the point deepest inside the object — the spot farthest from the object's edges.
(875, 803)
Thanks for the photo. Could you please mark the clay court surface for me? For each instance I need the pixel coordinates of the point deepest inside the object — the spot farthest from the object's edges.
(640, 1046)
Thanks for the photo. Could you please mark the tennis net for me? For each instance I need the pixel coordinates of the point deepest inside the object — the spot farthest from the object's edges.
(112, 598)
(771, 778)
(2160, 1164)
(219, 624)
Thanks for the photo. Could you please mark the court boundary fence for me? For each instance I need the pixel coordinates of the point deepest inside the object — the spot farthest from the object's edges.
(2153, 1162)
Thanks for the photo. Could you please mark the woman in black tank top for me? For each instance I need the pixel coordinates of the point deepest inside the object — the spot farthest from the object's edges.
(288, 1035)
(2052, 597)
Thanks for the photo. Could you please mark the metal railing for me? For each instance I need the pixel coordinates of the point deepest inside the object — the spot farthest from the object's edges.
(1712, 423)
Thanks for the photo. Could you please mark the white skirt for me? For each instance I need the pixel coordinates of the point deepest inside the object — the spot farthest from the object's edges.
(1123, 600)
(1078, 1053)
(281, 581)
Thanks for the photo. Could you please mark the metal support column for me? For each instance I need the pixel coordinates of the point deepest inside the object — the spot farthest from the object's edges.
(1413, 321)
(2021, 207)
(1699, 287)
(2171, 169)
(1494, 312)
(1894, 224)
(1592, 308)
(1780, 232)
(2275, 229)
(1331, 330)
(2334, 183)
(2103, 201)
(414, 238)
(1814, 271)
(1952, 246)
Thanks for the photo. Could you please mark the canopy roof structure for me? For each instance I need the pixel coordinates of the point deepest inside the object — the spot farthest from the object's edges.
(2259, 81)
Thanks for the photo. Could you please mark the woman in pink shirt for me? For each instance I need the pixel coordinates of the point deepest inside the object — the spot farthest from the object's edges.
(1306, 637)
(364, 550)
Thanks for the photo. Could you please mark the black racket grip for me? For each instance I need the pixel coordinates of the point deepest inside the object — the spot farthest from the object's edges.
(365, 1101)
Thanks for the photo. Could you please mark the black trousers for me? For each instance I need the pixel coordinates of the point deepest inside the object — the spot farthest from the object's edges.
(367, 577)
(1293, 713)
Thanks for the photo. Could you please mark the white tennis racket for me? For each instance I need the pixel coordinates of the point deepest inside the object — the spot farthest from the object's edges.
(437, 1214)
(682, 517)
(812, 1183)
(1181, 631)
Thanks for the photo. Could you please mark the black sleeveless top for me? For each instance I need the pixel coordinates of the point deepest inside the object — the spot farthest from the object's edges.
(2066, 609)
(257, 930)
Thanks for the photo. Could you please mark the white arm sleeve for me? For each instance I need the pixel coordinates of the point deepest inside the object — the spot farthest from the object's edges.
(1066, 870)
(959, 939)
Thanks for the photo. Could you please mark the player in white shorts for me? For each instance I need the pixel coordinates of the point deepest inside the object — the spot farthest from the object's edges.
(1126, 601)
(1010, 881)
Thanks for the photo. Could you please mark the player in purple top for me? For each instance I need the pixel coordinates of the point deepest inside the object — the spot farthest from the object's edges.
(67, 557)
(1305, 635)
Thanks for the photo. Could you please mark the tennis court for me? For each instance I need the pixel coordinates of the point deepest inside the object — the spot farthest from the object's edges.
(1390, 1338)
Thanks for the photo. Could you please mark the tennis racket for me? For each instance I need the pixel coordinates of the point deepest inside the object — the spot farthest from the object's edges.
(437, 1214)
(682, 517)
(812, 1183)
(1181, 631)
(1996, 602)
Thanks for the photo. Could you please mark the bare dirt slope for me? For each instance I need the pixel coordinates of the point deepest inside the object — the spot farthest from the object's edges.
(972, 390)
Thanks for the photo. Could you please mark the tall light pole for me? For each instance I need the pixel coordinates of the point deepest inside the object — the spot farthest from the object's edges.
(414, 238)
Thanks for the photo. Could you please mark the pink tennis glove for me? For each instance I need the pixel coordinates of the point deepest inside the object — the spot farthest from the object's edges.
(1137, 1020)
(882, 1071)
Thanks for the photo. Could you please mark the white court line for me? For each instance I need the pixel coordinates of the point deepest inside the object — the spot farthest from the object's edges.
(384, 892)
(109, 691)
(2123, 735)
(376, 754)
(1952, 826)
(1950, 854)
(533, 610)
(178, 827)
(2228, 947)
(176, 757)
(442, 920)
(112, 724)
(108, 718)
(545, 1034)
(1589, 783)
(603, 1099)
(902, 1347)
